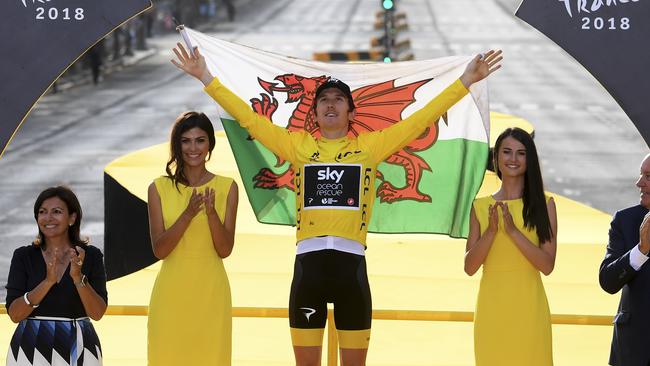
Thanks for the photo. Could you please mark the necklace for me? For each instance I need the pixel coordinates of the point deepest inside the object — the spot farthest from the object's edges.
(201, 179)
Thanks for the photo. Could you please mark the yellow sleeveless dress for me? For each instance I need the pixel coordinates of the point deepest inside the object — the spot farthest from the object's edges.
(190, 311)
(512, 322)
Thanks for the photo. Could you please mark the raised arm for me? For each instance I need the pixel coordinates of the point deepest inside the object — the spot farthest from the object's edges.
(275, 138)
(397, 136)
(481, 67)
(193, 64)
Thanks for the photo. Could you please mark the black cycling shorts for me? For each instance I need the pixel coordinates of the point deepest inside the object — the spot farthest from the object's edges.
(330, 276)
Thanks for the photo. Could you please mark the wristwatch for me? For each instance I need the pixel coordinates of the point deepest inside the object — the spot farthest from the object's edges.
(83, 282)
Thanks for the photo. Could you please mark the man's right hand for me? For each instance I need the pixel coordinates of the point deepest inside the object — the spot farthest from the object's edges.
(481, 67)
(193, 64)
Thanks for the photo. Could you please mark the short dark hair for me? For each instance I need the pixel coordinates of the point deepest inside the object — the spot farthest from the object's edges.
(336, 84)
(66, 195)
(535, 212)
(184, 122)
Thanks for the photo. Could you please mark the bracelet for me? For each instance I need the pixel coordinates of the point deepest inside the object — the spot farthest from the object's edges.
(34, 306)
(82, 282)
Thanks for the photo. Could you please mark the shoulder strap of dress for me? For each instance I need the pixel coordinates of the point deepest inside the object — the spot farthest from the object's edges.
(480, 201)
(163, 183)
(222, 183)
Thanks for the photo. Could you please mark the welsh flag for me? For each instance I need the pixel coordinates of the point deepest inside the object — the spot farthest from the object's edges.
(427, 187)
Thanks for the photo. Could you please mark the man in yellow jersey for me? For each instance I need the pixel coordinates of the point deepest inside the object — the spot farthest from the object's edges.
(334, 180)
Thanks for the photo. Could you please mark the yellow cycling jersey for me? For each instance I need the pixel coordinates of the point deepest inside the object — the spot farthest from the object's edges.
(334, 178)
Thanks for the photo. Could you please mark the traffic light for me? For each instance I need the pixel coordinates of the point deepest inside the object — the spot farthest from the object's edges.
(387, 59)
(387, 4)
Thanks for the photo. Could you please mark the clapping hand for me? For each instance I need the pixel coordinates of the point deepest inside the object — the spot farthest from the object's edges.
(52, 265)
(508, 222)
(208, 201)
(493, 217)
(195, 204)
(644, 235)
(76, 262)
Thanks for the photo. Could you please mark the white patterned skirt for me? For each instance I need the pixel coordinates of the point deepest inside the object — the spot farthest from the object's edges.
(49, 341)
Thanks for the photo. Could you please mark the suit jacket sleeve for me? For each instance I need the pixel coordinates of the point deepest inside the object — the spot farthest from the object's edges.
(615, 270)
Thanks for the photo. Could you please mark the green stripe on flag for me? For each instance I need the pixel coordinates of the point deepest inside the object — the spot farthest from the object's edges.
(452, 191)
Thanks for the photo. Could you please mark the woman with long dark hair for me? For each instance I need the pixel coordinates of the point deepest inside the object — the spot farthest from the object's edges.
(192, 216)
(54, 286)
(513, 236)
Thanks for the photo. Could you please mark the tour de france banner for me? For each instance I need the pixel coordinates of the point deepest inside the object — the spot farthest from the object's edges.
(428, 187)
(610, 39)
(41, 39)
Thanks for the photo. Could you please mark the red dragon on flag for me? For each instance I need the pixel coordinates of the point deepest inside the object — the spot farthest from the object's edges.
(377, 106)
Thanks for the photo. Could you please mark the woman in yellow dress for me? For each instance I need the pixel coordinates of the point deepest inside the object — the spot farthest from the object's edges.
(513, 236)
(192, 216)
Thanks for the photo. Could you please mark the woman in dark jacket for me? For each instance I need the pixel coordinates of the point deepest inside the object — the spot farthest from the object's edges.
(54, 286)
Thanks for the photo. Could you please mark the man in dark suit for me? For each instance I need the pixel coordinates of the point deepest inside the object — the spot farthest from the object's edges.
(624, 268)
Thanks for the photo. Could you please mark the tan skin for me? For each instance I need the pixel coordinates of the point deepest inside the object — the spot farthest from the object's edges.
(195, 149)
(333, 116)
(643, 183)
(512, 164)
(333, 113)
(53, 221)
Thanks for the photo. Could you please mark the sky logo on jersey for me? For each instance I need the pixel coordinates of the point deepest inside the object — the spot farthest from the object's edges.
(308, 312)
(330, 174)
(331, 186)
